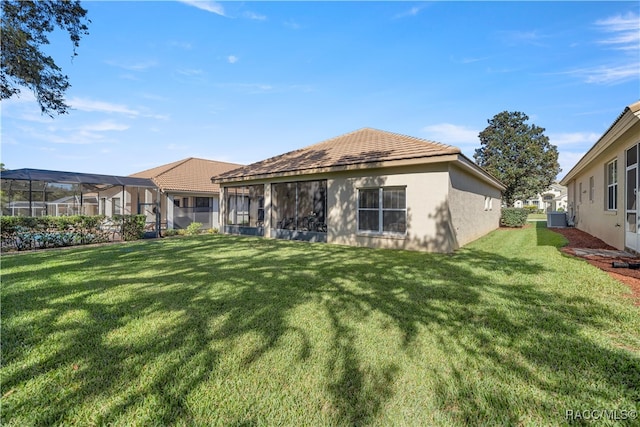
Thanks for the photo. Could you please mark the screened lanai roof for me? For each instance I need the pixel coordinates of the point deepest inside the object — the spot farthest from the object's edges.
(75, 178)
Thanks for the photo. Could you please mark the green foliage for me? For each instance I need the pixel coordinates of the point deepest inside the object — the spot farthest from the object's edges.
(513, 217)
(193, 228)
(22, 233)
(170, 232)
(531, 208)
(25, 26)
(518, 154)
(132, 226)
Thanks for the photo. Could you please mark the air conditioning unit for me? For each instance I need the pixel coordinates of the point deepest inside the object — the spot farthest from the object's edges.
(556, 219)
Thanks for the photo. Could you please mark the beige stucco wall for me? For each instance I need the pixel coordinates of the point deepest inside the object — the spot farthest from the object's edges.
(474, 206)
(592, 216)
(428, 225)
(445, 206)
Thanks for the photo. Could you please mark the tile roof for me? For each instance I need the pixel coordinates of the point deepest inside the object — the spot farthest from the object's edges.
(190, 174)
(359, 147)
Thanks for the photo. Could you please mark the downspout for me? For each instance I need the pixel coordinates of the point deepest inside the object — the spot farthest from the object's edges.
(30, 200)
(158, 214)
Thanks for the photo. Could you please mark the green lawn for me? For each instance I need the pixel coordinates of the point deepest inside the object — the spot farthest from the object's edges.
(221, 330)
(537, 216)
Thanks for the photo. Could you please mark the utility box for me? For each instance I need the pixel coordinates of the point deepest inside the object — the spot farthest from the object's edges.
(556, 219)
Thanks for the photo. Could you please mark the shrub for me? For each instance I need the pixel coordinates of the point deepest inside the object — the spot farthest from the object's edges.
(170, 232)
(213, 231)
(132, 226)
(513, 217)
(193, 228)
(531, 208)
(20, 233)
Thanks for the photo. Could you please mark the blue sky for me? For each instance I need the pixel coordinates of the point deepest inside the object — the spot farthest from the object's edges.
(156, 82)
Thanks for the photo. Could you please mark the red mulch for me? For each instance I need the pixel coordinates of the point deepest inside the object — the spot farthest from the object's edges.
(580, 239)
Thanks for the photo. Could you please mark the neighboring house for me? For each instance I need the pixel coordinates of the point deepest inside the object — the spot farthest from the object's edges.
(365, 188)
(554, 199)
(186, 192)
(603, 185)
(27, 192)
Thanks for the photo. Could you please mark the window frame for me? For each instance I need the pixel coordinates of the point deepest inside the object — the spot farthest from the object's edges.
(381, 210)
(611, 171)
(592, 188)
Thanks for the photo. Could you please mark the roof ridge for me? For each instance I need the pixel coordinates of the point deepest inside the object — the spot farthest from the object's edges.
(175, 165)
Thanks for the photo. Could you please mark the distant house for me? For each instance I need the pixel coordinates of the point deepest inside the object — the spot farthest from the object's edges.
(603, 185)
(554, 199)
(186, 192)
(365, 188)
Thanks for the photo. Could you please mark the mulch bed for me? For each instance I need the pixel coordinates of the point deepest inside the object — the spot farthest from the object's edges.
(579, 239)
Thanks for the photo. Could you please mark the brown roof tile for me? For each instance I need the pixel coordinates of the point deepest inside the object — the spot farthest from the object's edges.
(191, 174)
(362, 146)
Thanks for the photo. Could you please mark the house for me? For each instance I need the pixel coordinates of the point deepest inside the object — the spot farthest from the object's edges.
(186, 192)
(36, 192)
(553, 199)
(365, 188)
(603, 185)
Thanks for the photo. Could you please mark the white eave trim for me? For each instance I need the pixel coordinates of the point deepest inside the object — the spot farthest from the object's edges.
(624, 122)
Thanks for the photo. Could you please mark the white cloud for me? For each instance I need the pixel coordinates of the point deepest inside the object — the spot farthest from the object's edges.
(209, 6)
(607, 74)
(101, 106)
(410, 12)
(135, 66)
(292, 24)
(625, 31)
(573, 138)
(448, 133)
(232, 59)
(105, 126)
(255, 16)
(190, 71)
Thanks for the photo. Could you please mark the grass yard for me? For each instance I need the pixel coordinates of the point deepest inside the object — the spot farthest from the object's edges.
(222, 330)
(537, 216)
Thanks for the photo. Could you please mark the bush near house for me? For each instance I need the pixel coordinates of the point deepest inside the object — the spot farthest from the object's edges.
(25, 233)
(132, 226)
(514, 217)
(193, 228)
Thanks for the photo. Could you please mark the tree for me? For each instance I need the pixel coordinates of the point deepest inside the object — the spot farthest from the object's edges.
(519, 155)
(25, 25)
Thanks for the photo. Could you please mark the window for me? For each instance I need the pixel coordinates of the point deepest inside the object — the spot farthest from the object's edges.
(382, 210)
(245, 205)
(116, 206)
(176, 203)
(203, 202)
(580, 192)
(612, 185)
(299, 206)
(488, 203)
(592, 188)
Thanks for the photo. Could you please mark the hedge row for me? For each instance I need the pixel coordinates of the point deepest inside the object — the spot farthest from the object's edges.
(514, 217)
(23, 233)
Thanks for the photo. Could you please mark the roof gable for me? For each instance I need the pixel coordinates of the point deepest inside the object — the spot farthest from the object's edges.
(364, 146)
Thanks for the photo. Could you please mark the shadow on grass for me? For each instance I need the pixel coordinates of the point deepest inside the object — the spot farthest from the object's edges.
(113, 311)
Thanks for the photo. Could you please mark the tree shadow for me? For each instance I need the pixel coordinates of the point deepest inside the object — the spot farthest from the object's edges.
(115, 312)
